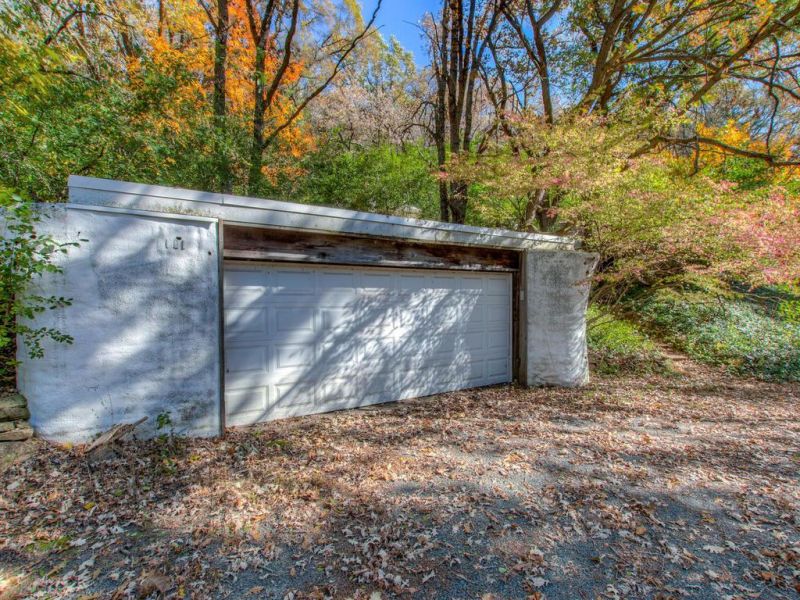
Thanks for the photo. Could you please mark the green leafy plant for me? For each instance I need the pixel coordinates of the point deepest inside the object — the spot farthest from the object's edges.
(788, 306)
(733, 330)
(617, 345)
(25, 256)
(170, 447)
(381, 178)
(163, 420)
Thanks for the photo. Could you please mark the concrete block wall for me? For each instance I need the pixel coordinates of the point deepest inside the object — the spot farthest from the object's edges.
(555, 287)
(145, 321)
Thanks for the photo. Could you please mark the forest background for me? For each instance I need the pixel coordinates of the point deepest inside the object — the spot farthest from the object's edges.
(662, 135)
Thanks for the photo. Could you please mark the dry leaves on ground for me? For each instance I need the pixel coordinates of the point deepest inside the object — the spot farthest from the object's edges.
(673, 487)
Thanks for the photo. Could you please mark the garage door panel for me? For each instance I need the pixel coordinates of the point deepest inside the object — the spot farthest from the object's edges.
(496, 367)
(334, 390)
(497, 286)
(377, 351)
(304, 339)
(243, 297)
(474, 371)
(246, 323)
(336, 319)
(498, 339)
(245, 277)
(247, 359)
(376, 383)
(496, 314)
(473, 319)
(292, 283)
(294, 394)
(473, 283)
(337, 289)
(412, 316)
(334, 282)
(427, 381)
(372, 319)
(294, 320)
(412, 283)
(245, 406)
(294, 356)
(339, 356)
(378, 283)
(472, 342)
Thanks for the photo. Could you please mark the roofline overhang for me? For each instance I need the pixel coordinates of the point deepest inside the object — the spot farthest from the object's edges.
(259, 212)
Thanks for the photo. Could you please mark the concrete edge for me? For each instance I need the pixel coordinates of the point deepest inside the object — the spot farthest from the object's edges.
(142, 213)
(211, 203)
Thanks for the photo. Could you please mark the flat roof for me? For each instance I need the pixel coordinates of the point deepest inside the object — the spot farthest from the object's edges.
(258, 212)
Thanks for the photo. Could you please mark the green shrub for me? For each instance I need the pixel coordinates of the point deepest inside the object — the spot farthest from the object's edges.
(25, 256)
(381, 179)
(789, 310)
(742, 332)
(617, 345)
(787, 306)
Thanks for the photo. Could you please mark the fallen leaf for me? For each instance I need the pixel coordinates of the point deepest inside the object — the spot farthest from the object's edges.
(153, 582)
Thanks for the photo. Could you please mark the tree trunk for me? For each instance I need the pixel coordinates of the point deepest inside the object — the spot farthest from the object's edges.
(458, 201)
(538, 215)
(219, 101)
(259, 108)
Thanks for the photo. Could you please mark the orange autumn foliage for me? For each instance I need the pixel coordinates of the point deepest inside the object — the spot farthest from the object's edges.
(181, 44)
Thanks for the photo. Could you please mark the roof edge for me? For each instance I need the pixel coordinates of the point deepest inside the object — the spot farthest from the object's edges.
(109, 192)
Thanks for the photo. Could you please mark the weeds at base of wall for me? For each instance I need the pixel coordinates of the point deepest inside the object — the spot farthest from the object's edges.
(170, 446)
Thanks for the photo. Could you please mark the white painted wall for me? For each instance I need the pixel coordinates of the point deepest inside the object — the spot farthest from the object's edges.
(553, 317)
(145, 321)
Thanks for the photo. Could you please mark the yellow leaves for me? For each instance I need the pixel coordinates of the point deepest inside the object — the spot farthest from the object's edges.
(766, 8)
(733, 135)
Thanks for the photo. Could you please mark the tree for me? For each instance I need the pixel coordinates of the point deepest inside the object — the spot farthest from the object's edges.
(220, 26)
(665, 58)
(650, 220)
(274, 27)
(380, 100)
(25, 256)
(458, 39)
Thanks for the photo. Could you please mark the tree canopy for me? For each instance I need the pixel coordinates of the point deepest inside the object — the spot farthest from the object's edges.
(663, 134)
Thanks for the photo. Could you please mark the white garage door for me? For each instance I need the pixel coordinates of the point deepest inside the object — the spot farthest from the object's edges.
(308, 339)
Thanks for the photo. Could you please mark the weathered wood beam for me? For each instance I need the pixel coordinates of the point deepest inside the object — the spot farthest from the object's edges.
(256, 243)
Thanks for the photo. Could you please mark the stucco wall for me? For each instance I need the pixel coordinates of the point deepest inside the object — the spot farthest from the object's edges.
(145, 322)
(553, 317)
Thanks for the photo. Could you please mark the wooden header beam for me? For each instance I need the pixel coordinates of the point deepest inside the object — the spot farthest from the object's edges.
(257, 243)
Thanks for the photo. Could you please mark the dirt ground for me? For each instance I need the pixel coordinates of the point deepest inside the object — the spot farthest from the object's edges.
(682, 486)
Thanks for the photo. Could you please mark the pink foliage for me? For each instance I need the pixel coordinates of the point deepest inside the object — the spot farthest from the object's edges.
(768, 232)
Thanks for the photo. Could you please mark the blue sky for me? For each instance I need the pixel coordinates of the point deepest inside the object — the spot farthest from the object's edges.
(398, 18)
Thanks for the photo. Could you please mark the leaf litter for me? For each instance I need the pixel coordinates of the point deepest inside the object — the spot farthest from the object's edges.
(684, 486)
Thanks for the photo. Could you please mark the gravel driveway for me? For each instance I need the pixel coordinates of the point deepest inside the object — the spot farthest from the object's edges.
(683, 486)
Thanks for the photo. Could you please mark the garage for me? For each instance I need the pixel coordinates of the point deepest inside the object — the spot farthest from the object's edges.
(217, 310)
(302, 339)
